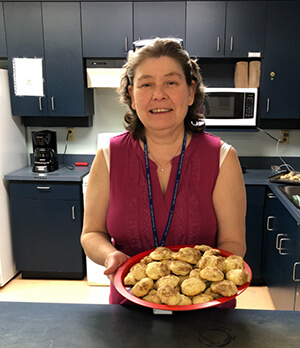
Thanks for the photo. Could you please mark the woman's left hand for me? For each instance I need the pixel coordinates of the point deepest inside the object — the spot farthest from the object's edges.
(113, 261)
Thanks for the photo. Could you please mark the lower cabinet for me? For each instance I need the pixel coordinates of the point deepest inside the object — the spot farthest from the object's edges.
(254, 231)
(46, 227)
(282, 256)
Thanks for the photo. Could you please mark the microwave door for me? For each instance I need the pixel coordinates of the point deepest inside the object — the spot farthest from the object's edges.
(224, 106)
(225, 110)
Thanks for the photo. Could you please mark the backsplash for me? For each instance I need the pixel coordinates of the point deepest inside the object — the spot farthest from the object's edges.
(109, 118)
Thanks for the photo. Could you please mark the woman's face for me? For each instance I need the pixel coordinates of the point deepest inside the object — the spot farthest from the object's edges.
(160, 94)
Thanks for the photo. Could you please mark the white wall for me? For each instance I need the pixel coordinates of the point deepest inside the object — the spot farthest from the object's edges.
(109, 118)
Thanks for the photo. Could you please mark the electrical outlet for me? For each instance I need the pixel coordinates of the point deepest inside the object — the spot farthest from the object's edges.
(70, 134)
(284, 137)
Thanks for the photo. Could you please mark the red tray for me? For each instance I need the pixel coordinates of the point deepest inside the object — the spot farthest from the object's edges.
(125, 291)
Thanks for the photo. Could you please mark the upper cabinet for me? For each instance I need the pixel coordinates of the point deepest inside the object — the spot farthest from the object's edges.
(106, 29)
(205, 29)
(163, 19)
(245, 28)
(3, 53)
(50, 31)
(225, 29)
(280, 83)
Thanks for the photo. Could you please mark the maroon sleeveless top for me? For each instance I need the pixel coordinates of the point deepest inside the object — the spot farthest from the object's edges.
(129, 219)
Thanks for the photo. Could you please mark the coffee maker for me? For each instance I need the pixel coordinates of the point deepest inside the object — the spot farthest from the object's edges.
(44, 151)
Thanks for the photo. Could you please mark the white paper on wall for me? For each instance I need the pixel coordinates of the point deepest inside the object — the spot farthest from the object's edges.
(28, 77)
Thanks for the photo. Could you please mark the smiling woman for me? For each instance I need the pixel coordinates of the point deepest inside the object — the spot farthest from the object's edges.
(159, 88)
(167, 179)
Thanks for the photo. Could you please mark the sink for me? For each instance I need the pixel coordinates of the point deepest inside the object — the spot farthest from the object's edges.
(292, 193)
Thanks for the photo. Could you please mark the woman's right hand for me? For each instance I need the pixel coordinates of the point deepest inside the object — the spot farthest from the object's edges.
(113, 261)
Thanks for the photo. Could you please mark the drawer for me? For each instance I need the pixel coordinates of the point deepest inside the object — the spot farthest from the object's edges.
(49, 190)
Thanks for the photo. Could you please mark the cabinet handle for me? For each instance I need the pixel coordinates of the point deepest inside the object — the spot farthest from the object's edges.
(271, 195)
(73, 212)
(294, 272)
(277, 239)
(40, 104)
(43, 188)
(268, 104)
(280, 246)
(218, 44)
(268, 223)
(52, 103)
(231, 43)
(126, 43)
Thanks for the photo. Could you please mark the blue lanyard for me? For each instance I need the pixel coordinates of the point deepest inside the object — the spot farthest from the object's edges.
(174, 193)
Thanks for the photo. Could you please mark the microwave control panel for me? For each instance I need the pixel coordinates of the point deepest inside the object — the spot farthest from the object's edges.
(249, 105)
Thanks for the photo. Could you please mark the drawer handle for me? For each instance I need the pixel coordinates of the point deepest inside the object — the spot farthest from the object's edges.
(277, 239)
(281, 248)
(73, 212)
(271, 195)
(44, 188)
(268, 223)
(294, 272)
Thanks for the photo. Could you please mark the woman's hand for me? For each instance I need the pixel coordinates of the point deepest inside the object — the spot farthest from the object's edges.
(113, 261)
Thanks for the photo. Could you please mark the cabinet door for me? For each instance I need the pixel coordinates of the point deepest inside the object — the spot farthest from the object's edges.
(281, 254)
(24, 33)
(287, 247)
(106, 29)
(280, 82)
(162, 19)
(205, 28)
(254, 230)
(3, 52)
(63, 51)
(46, 235)
(272, 256)
(245, 28)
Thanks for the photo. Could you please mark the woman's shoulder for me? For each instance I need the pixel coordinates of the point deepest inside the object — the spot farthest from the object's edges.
(207, 138)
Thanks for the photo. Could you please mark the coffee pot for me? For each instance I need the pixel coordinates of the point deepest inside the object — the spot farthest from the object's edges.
(44, 151)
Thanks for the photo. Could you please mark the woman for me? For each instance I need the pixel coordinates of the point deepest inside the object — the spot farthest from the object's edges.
(165, 181)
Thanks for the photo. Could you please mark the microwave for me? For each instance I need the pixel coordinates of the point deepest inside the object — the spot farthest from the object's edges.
(234, 107)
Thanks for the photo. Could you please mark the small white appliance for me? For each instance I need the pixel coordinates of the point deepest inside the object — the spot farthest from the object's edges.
(95, 276)
(13, 156)
(233, 107)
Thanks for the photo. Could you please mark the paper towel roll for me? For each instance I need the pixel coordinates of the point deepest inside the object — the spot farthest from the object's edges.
(241, 75)
(254, 74)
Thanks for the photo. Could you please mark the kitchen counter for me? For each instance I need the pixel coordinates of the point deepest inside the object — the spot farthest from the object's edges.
(62, 174)
(80, 325)
(257, 176)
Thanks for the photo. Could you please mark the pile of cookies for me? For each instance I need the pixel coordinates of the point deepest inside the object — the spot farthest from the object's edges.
(191, 275)
(291, 176)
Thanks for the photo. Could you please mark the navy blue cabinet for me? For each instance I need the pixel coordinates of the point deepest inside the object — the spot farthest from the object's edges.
(3, 52)
(254, 231)
(46, 227)
(163, 19)
(24, 35)
(205, 28)
(282, 255)
(280, 82)
(106, 29)
(225, 29)
(51, 31)
(245, 28)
